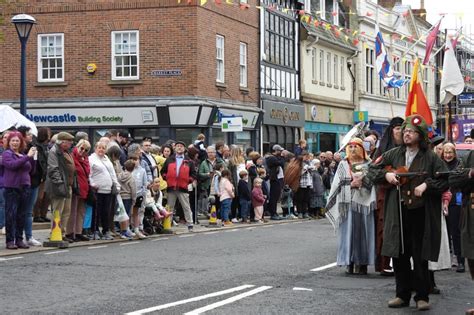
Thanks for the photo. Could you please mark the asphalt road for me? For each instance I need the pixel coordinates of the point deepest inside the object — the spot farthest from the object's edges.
(252, 270)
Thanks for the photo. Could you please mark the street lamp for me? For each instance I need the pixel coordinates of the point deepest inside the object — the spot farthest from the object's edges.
(23, 24)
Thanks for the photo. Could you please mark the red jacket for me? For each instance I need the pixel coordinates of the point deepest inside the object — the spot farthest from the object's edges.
(187, 174)
(82, 172)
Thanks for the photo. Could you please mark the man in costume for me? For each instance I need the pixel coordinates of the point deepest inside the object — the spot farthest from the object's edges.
(391, 138)
(416, 233)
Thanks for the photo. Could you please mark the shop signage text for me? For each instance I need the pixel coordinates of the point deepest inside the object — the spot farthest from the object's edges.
(284, 115)
(166, 73)
(68, 118)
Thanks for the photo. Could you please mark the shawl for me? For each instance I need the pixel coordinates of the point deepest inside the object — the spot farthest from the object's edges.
(342, 198)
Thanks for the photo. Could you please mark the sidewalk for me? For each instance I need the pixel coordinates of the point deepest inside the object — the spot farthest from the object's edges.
(43, 235)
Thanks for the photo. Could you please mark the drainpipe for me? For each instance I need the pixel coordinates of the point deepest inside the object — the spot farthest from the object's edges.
(353, 74)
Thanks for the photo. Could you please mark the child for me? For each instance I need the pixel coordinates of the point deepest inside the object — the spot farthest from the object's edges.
(214, 189)
(258, 199)
(262, 173)
(154, 199)
(317, 193)
(138, 210)
(244, 196)
(287, 202)
(128, 192)
(226, 194)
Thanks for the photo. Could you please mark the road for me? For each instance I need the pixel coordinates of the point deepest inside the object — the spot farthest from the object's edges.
(251, 270)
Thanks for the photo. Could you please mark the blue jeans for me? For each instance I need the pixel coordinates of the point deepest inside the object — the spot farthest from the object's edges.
(2, 208)
(15, 207)
(30, 204)
(225, 209)
(244, 209)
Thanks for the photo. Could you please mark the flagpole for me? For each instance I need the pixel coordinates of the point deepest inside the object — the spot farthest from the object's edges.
(458, 32)
(419, 40)
(390, 101)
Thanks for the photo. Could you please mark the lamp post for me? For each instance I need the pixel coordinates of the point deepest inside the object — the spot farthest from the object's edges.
(23, 24)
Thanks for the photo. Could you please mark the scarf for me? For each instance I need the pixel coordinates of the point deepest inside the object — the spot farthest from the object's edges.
(342, 198)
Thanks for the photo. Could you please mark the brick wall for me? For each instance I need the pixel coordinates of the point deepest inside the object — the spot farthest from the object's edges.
(172, 36)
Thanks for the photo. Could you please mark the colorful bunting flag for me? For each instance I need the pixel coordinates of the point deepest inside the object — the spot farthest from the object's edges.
(417, 103)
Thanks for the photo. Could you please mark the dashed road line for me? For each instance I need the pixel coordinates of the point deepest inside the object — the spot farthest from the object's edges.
(233, 230)
(57, 252)
(194, 299)
(129, 243)
(325, 267)
(97, 247)
(209, 233)
(11, 258)
(250, 228)
(228, 301)
(301, 289)
(160, 239)
(187, 235)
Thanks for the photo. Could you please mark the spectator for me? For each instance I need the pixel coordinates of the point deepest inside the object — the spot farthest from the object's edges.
(220, 149)
(244, 196)
(316, 203)
(2, 189)
(179, 172)
(303, 194)
(329, 158)
(205, 174)
(128, 192)
(80, 135)
(287, 202)
(200, 147)
(369, 146)
(193, 155)
(226, 190)
(275, 163)
(60, 177)
(138, 208)
(236, 165)
(148, 158)
(302, 145)
(214, 189)
(114, 153)
(40, 209)
(154, 199)
(16, 183)
(104, 181)
(135, 150)
(258, 199)
(78, 202)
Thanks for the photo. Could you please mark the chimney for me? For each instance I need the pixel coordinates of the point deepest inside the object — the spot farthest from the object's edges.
(422, 4)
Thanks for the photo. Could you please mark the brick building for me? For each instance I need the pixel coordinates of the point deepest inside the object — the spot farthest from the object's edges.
(162, 68)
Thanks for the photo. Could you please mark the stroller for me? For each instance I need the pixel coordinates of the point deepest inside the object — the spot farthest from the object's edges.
(150, 224)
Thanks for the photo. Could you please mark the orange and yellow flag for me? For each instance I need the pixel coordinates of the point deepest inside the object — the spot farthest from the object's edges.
(417, 103)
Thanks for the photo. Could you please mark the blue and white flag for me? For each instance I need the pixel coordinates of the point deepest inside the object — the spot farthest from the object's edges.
(383, 66)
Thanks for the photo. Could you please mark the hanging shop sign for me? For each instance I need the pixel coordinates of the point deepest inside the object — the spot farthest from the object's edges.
(231, 124)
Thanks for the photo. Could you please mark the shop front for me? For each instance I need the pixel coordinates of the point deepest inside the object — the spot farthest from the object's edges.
(325, 127)
(282, 124)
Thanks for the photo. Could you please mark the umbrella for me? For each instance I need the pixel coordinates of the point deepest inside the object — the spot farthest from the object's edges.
(11, 118)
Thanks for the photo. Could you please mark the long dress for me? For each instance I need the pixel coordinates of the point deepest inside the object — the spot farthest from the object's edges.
(351, 211)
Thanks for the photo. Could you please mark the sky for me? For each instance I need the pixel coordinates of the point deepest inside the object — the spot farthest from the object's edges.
(458, 12)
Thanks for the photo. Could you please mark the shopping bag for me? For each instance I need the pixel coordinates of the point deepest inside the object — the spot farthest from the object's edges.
(121, 215)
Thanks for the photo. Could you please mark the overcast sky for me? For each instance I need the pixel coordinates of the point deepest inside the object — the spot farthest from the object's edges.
(459, 12)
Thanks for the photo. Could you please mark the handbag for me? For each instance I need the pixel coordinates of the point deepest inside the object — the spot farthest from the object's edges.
(114, 189)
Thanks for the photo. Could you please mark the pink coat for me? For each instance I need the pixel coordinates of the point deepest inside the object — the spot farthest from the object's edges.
(258, 199)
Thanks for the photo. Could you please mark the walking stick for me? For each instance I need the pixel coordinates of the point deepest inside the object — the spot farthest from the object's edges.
(401, 217)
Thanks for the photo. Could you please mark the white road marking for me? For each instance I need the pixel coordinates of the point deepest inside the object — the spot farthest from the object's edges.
(160, 239)
(284, 223)
(301, 289)
(12, 258)
(96, 247)
(129, 243)
(209, 233)
(187, 235)
(250, 228)
(324, 267)
(228, 301)
(297, 222)
(267, 226)
(57, 252)
(233, 230)
(194, 299)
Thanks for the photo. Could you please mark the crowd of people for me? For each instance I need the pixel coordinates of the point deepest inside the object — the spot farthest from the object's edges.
(393, 199)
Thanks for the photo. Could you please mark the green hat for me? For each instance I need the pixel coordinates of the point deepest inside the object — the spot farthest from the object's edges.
(417, 123)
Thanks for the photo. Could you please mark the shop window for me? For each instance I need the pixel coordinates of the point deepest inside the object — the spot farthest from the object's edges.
(243, 139)
(281, 135)
(327, 142)
(154, 134)
(312, 141)
(187, 135)
(217, 135)
(272, 134)
(290, 137)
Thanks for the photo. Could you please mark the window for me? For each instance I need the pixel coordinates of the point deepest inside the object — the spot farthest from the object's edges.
(279, 40)
(243, 64)
(425, 81)
(50, 57)
(327, 10)
(369, 70)
(321, 65)
(343, 69)
(328, 68)
(220, 75)
(407, 65)
(336, 69)
(125, 61)
(314, 64)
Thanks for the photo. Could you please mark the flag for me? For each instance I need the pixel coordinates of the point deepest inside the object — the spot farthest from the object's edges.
(417, 103)
(430, 41)
(384, 69)
(452, 82)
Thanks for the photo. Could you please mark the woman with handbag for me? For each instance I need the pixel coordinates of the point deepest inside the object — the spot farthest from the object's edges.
(103, 180)
(80, 191)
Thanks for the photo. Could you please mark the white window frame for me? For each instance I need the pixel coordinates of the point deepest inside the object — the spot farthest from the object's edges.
(220, 60)
(343, 72)
(41, 58)
(243, 64)
(322, 13)
(328, 68)
(314, 64)
(369, 70)
(321, 66)
(130, 54)
(336, 70)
